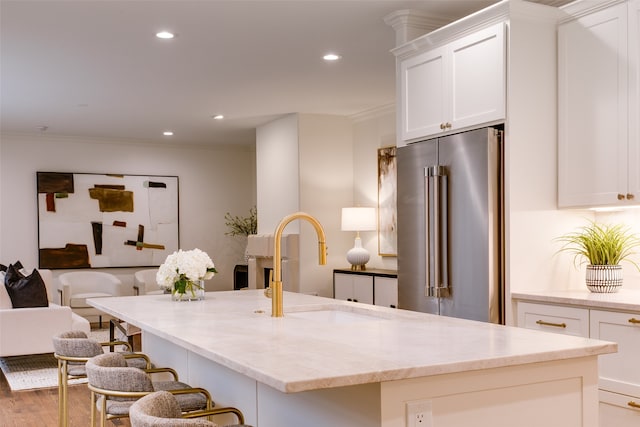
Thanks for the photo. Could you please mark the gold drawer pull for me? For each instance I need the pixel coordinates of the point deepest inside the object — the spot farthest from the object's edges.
(634, 404)
(556, 325)
(634, 321)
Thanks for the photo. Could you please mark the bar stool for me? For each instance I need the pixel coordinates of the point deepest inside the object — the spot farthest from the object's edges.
(72, 349)
(115, 386)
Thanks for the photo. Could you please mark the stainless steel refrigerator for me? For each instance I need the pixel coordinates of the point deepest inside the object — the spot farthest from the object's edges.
(450, 226)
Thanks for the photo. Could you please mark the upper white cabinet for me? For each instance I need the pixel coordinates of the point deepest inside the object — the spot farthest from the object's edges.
(598, 147)
(454, 86)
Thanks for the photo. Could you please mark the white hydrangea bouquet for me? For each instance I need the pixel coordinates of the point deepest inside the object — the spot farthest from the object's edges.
(184, 273)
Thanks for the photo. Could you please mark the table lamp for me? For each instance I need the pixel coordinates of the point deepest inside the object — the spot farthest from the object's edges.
(358, 219)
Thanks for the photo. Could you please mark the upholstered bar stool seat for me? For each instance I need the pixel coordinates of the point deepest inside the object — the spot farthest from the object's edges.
(115, 387)
(161, 408)
(72, 350)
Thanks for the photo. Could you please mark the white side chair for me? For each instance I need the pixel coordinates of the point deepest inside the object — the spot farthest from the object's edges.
(144, 282)
(78, 286)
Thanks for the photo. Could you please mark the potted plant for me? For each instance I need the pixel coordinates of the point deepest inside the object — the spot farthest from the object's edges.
(603, 246)
(242, 226)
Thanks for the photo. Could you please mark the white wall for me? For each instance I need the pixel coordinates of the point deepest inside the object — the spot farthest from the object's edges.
(333, 162)
(372, 130)
(212, 181)
(277, 173)
(326, 186)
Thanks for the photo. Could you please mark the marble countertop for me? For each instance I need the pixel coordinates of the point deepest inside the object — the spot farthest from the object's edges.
(312, 348)
(624, 299)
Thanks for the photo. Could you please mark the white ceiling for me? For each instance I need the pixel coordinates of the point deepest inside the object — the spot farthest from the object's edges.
(94, 68)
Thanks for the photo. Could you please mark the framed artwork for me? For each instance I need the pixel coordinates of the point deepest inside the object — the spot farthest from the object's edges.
(88, 220)
(387, 196)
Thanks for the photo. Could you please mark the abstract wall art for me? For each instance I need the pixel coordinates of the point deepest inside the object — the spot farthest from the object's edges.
(387, 197)
(88, 220)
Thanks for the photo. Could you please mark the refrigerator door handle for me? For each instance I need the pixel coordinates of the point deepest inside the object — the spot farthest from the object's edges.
(436, 226)
(428, 214)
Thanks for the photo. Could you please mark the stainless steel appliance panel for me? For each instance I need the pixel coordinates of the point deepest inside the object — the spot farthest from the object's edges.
(450, 226)
(412, 240)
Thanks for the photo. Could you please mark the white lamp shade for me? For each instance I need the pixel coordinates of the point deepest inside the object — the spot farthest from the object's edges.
(358, 219)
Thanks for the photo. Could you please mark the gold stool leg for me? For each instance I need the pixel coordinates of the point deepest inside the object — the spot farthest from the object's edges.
(103, 411)
(60, 397)
(93, 409)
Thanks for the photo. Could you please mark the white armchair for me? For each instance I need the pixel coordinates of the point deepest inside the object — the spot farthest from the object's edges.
(144, 282)
(29, 330)
(78, 286)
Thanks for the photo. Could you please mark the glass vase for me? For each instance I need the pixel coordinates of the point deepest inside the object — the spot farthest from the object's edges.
(193, 291)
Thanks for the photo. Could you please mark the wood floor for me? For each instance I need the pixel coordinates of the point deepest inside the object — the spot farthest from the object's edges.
(29, 408)
(40, 407)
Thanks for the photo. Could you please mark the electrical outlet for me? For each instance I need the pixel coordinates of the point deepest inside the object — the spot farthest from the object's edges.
(419, 413)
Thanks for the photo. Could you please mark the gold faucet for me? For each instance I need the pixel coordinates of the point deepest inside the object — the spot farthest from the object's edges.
(276, 284)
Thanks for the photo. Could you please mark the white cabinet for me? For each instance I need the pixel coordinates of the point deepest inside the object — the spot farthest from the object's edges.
(618, 372)
(452, 87)
(385, 291)
(619, 380)
(379, 287)
(351, 287)
(618, 410)
(598, 146)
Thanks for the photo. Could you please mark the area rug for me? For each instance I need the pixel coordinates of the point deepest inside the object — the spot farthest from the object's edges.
(38, 370)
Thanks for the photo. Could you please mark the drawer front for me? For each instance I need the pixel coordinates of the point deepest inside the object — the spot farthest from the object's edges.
(553, 318)
(619, 410)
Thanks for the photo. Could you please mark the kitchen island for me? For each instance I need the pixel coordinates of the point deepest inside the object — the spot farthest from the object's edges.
(337, 363)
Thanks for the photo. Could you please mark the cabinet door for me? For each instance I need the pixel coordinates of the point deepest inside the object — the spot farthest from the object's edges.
(342, 286)
(634, 99)
(353, 287)
(423, 93)
(618, 371)
(363, 289)
(477, 70)
(385, 291)
(592, 109)
(554, 318)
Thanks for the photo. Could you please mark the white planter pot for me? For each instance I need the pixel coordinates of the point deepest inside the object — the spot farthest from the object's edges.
(604, 278)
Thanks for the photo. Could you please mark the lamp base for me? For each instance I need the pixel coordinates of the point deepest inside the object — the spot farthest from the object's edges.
(358, 256)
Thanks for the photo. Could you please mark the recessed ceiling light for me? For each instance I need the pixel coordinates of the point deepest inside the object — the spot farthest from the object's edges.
(331, 57)
(164, 35)
(167, 133)
(218, 117)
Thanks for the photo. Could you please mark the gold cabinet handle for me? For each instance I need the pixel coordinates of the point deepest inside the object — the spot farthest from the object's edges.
(443, 126)
(620, 196)
(629, 196)
(634, 321)
(633, 404)
(556, 325)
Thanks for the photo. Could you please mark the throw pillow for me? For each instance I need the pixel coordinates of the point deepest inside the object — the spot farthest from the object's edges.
(25, 291)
